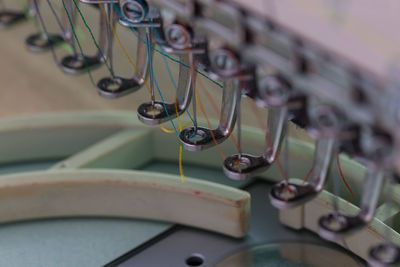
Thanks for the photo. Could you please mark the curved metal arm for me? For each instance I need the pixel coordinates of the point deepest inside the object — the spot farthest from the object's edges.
(333, 226)
(186, 81)
(193, 140)
(74, 64)
(39, 42)
(244, 166)
(10, 17)
(290, 195)
(127, 86)
(135, 16)
(176, 41)
(384, 254)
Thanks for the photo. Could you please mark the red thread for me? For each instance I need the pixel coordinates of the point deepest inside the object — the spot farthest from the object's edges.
(308, 175)
(344, 179)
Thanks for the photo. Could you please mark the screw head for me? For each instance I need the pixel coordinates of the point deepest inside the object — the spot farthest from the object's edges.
(325, 118)
(276, 92)
(134, 11)
(178, 36)
(225, 63)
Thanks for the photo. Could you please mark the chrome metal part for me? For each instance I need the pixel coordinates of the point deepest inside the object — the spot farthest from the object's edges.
(77, 64)
(236, 79)
(384, 255)
(335, 225)
(377, 149)
(327, 127)
(39, 42)
(284, 196)
(244, 166)
(197, 139)
(9, 18)
(178, 41)
(140, 18)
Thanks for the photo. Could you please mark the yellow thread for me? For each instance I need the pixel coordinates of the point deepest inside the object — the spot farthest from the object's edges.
(165, 130)
(180, 164)
(180, 147)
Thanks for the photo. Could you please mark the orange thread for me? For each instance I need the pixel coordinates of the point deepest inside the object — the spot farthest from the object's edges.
(344, 179)
(308, 175)
(211, 132)
(219, 114)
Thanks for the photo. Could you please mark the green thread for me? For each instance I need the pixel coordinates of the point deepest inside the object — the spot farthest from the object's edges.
(93, 38)
(79, 45)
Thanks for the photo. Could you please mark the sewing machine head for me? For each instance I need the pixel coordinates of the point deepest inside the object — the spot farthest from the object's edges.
(302, 70)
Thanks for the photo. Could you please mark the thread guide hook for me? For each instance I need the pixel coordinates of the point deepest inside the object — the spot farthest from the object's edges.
(377, 151)
(243, 166)
(141, 22)
(143, 19)
(179, 41)
(78, 64)
(236, 77)
(40, 42)
(327, 126)
(384, 255)
(9, 18)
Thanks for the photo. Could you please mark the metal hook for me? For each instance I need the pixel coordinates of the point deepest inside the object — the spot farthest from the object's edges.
(333, 226)
(140, 17)
(10, 17)
(244, 166)
(235, 77)
(326, 126)
(377, 149)
(39, 42)
(180, 42)
(199, 138)
(77, 64)
(137, 15)
(290, 195)
(384, 255)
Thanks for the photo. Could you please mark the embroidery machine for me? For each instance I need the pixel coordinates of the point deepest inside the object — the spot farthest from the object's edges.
(222, 133)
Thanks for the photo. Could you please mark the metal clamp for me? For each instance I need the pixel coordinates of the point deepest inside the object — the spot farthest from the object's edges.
(179, 41)
(142, 18)
(77, 64)
(276, 97)
(327, 127)
(236, 77)
(39, 42)
(10, 17)
(384, 255)
(334, 225)
(377, 150)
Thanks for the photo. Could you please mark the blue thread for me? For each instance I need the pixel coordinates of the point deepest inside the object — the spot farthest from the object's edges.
(109, 67)
(158, 89)
(79, 45)
(172, 78)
